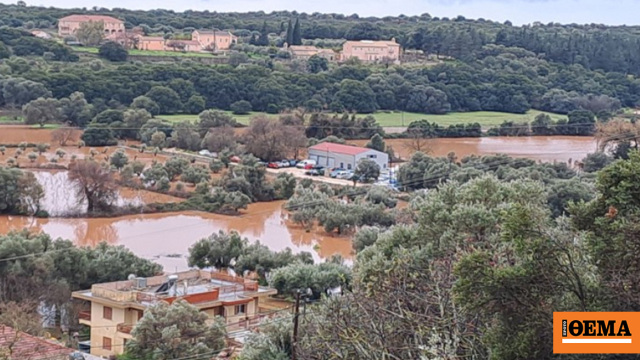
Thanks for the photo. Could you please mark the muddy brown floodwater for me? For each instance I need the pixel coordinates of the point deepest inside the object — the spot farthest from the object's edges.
(166, 238)
(544, 148)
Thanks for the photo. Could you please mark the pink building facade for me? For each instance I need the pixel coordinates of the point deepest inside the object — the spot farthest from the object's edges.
(214, 40)
(369, 51)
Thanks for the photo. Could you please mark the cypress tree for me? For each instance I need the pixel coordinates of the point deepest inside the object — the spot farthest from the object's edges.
(297, 37)
(263, 39)
(289, 33)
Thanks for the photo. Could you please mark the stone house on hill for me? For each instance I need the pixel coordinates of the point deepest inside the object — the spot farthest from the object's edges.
(68, 25)
(369, 51)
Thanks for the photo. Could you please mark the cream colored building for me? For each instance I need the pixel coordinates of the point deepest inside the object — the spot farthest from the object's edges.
(68, 25)
(369, 51)
(214, 39)
(113, 309)
(304, 52)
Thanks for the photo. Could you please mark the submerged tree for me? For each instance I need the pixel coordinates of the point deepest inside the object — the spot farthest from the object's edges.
(94, 183)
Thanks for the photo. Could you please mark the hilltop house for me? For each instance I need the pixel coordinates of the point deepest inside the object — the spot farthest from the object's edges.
(345, 156)
(369, 51)
(214, 39)
(152, 43)
(113, 309)
(68, 25)
(304, 52)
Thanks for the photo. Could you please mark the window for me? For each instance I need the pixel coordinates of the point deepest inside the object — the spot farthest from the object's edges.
(240, 309)
(107, 313)
(348, 166)
(106, 343)
(373, 156)
(341, 165)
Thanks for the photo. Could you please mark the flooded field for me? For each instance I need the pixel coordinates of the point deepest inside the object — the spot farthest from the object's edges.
(60, 199)
(165, 238)
(544, 148)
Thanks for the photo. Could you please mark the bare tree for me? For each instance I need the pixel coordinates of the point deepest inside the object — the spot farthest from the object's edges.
(63, 135)
(418, 143)
(94, 183)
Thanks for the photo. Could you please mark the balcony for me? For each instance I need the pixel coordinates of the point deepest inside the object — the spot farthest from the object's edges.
(124, 328)
(84, 317)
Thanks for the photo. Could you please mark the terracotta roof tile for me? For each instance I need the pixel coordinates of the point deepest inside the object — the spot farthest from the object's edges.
(24, 346)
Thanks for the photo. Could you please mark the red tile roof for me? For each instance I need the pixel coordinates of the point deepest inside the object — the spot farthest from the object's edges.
(338, 148)
(84, 18)
(19, 346)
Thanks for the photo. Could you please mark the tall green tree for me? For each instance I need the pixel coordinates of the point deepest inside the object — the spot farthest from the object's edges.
(296, 36)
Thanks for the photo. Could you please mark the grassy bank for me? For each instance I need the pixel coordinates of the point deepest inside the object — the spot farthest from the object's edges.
(397, 119)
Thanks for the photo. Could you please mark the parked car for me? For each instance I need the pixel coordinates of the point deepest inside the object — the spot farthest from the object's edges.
(313, 172)
(263, 163)
(345, 175)
(293, 162)
(304, 163)
(284, 163)
(207, 153)
(274, 165)
(335, 171)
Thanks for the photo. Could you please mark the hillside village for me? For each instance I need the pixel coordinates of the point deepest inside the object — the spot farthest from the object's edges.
(266, 186)
(216, 40)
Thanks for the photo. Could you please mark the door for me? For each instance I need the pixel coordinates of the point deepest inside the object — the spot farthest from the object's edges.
(332, 162)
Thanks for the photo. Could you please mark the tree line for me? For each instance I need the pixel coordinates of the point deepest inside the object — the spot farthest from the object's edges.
(594, 46)
(500, 79)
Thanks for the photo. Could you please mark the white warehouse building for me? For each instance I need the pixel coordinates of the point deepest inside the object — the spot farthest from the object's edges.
(332, 155)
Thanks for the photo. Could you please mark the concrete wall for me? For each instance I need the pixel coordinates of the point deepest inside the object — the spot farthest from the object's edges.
(332, 160)
(380, 158)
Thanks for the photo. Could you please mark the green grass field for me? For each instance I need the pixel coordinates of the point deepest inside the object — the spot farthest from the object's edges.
(242, 119)
(93, 50)
(398, 119)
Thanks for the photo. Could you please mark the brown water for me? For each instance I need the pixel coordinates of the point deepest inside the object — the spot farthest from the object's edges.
(544, 148)
(166, 238)
(60, 198)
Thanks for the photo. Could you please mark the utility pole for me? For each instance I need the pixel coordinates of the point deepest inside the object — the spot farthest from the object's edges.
(294, 343)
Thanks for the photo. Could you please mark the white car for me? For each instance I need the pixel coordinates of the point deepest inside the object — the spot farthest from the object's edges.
(302, 164)
(284, 163)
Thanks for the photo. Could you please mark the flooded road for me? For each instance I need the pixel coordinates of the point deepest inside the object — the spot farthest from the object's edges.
(166, 238)
(544, 148)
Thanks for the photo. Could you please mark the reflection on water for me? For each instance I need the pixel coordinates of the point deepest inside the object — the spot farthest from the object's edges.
(161, 236)
(61, 198)
(544, 148)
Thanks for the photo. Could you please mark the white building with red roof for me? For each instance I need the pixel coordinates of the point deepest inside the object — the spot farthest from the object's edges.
(345, 156)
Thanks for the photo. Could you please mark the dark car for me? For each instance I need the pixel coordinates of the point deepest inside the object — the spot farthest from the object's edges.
(293, 162)
(313, 172)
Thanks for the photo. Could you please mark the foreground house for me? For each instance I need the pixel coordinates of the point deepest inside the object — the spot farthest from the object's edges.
(68, 25)
(345, 156)
(17, 345)
(369, 51)
(113, 309)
